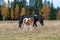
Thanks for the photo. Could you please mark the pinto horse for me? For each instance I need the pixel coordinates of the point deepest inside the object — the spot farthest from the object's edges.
(28, 23)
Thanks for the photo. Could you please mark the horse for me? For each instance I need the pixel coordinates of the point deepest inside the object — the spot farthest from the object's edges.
(36, 18)
(28, 23)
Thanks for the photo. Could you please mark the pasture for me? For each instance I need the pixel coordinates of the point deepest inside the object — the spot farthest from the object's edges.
(9, 30)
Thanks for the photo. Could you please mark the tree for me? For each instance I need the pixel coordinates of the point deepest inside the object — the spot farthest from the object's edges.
(0, 13)
(22, 3)
(45, 11)
(4, 10)
(15, 1)
(12, 13)
(52, 14)
(9, 6)
(38, 3)
(16, 11)
(23, 11)
(31, 2)
(58, 15)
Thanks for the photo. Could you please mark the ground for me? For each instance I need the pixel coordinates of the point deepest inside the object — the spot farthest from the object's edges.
(9, 30)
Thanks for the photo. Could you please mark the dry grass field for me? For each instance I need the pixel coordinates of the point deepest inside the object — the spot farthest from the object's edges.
(9, 30)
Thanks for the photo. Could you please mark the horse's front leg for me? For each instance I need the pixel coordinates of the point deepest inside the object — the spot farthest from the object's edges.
(34, 25)
(31, 27)
(20, 25)
(25, 28)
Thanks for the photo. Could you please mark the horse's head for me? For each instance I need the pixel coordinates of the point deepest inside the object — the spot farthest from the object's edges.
(28, 21)
(31, 19)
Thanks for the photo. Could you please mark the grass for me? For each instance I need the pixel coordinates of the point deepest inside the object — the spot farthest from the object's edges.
(12, 32)
(28, 36)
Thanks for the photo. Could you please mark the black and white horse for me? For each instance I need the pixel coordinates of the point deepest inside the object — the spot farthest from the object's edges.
(36, 18)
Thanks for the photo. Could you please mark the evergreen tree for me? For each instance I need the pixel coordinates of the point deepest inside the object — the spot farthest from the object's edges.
(22, 3)
(52, 15)
(9, 6)
(39, 3)
(15, 1)
(32, 3)
(0, 13)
